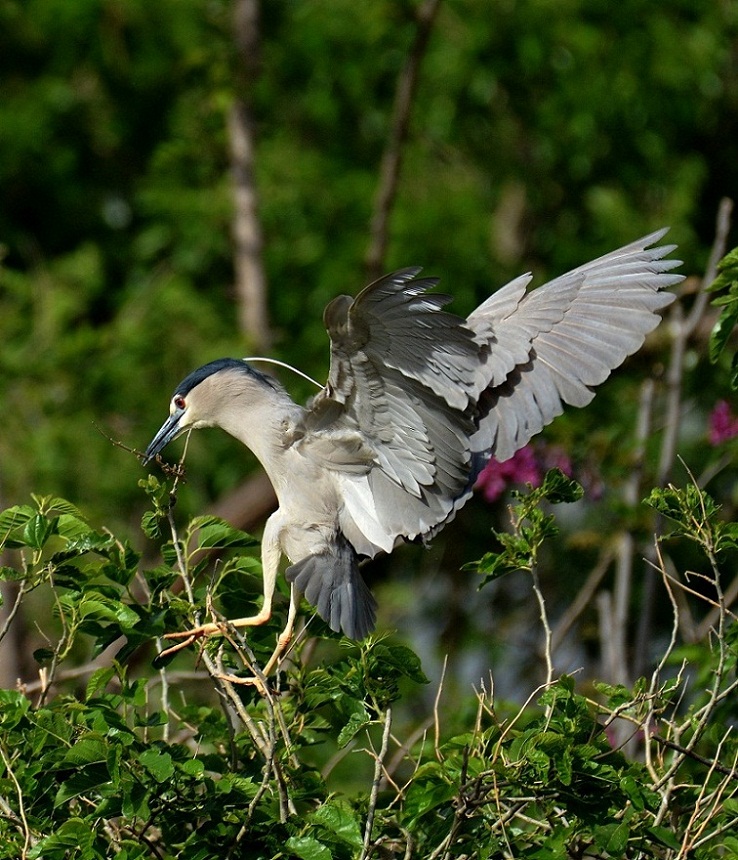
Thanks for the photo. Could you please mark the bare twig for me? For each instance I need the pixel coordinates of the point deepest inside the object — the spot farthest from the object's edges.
(402, 753)
(656, 675)
(582, 600)
(709, 621)
(461, 804)
(713, 764)
(23, 589)
(704, 802)
(682, 329)
(376, 782)
(436, 718)
(543, 614)
(616, 643)
(28, 840)
(392, 158)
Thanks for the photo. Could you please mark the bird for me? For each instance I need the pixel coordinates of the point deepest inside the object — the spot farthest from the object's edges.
(416, 403)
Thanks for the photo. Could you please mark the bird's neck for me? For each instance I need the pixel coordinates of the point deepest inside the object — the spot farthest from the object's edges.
(261, 419)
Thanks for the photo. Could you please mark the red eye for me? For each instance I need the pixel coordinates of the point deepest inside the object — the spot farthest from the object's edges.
(179, 402)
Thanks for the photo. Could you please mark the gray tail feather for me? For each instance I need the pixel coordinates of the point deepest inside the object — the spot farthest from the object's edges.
(331, 582)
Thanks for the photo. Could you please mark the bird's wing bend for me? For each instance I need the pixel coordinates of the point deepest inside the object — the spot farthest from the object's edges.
(551, 346)
(396, 415)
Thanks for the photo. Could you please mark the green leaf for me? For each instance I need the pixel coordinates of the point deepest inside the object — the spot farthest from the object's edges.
(193, 767)
(665, 836)
(75, 529)
(430, 788)
(403, 659)
(356, 722)
(728, 271)
(136, 801)
(158, 763)
(16, 516)
(633, 790)
(64, 507)
(84, 779)
(100, 608)
(563, 766)
(10, 574)
(215, 533)
(730, 805)
(338, 817)
(99, 680)
(90, 749)
(612, 838)
(722, 330)
(74, 834)
(151, 525)
(13, 707)
(558, 487)
(308, 848)
(38, 530)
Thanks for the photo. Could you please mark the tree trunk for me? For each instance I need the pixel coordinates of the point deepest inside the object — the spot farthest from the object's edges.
(250, 280)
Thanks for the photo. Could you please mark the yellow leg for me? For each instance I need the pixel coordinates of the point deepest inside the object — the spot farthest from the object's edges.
(285, 637)
(270, 555)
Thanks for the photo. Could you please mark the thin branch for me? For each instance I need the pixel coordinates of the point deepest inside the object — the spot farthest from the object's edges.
(709, 621)
(376, 782)
(8, 619)
(436, 717)
(713, 764)
(28, 839)
(392, 158)
(659, 668)
(704, 801)
(682, 329)
(582, 600)
(403, 751)
(461, 805)
(614, 635)
(544, 623)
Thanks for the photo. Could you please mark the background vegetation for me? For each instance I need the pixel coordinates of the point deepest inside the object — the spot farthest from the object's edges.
(479, 140)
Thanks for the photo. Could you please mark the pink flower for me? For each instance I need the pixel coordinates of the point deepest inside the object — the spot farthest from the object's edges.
(521, 468)
(526, 466)
(555, 457)
(723, 424)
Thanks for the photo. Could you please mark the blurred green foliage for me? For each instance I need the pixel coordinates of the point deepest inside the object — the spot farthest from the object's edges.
(542, 134)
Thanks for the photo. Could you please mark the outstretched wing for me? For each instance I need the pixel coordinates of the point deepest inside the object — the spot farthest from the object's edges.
(395, 417)
(417, 399)
(551, 346)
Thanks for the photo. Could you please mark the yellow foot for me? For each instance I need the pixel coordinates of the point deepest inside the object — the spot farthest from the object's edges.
(190, 636)
(250, 681)
(197, 632)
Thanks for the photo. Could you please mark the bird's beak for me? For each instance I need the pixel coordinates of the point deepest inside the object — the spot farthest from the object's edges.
(169, 430)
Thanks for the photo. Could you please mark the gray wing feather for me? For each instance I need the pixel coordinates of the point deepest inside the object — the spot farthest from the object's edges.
(403, 376)
(332, 583)
(576, 330)
(418, 399)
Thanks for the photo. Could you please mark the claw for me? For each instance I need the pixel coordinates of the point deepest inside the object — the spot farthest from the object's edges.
(190, 636)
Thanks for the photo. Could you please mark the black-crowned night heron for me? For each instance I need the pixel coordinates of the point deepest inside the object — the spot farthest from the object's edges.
(417, 401)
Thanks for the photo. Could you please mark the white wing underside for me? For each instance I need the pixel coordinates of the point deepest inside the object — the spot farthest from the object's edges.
(418, 399)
